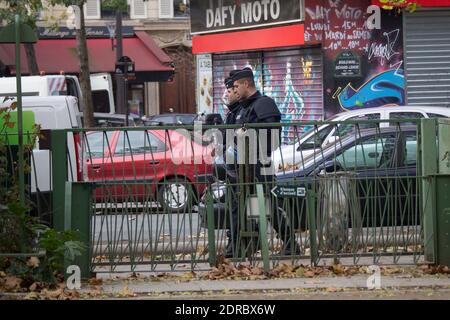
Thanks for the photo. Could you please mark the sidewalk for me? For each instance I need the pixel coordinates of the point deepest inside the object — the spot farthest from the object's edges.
(149, 286)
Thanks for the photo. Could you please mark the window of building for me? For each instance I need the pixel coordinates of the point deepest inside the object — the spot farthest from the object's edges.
(97, 9)
(108, 12)
(181, 8)
(173, 8)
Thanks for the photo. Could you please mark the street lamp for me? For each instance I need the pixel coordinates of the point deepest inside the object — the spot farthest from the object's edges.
(125, 67)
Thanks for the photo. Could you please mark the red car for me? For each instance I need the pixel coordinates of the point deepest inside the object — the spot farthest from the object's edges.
(149, 165)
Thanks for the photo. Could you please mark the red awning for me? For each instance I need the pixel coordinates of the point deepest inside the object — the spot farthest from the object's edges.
(55, 55)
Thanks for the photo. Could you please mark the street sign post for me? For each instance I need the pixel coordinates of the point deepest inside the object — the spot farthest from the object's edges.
(289, 191)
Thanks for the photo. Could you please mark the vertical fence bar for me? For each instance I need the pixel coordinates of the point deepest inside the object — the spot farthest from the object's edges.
(429, 168)
(59, 176)
(19, 112)
(263, 227)
(311, 211)
(443, 194)
(211, 229)
(77, 217)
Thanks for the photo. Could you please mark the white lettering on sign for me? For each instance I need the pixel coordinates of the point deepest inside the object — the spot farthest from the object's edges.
(257, 11)
(374, 21)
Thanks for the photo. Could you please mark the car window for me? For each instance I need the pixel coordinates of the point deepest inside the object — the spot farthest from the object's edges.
(316, 140)
(186, 119)
(405, 115)
(436, 115)
(374, 152)
(165, 119)
(344, 129)
(138, 142)
(411, 150)
(97, 143)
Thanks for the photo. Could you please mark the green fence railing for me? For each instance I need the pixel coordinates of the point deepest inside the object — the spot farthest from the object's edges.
(354, 191)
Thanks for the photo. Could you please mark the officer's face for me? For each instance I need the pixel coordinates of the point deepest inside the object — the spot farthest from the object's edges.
(233, 96)
(241, 88)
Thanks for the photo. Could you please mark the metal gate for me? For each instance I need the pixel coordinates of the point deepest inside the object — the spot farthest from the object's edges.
(427, 54)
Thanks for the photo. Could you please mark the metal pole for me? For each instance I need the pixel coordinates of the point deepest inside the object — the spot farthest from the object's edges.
(19, 113)
(125, 92)
(119, 54)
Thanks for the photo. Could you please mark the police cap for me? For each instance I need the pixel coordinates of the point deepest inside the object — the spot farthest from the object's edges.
(241, 74)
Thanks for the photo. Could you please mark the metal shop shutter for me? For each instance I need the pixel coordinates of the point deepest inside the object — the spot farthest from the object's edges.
(223, 64)
(427, 57)
(293, 78)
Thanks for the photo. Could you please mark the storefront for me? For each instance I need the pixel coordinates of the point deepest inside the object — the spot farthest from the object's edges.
(56, 52)
(427, 53)
(330, 57)
(267, 36)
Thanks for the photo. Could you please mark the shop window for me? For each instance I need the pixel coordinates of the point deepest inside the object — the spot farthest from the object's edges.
(136, 99)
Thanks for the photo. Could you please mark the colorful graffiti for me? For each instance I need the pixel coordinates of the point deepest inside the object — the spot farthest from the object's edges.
(385, 88)
(292, 106)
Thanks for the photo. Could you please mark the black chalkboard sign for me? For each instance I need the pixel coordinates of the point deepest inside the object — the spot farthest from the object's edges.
(347, 64)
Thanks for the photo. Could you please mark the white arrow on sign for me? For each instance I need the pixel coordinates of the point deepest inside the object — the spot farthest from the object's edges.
(272, 191)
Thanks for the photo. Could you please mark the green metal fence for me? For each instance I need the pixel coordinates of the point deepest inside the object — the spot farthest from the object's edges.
(353, 192)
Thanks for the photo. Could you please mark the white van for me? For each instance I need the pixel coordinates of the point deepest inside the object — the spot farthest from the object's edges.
(102, 93)
(63, 85)
(49, 85)
(57, 112)
(287, 156)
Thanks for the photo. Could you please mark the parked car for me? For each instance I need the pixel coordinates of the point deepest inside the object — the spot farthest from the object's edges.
(149, 165)
(288, 156)
(103, 120)
(171, 118)
(381, 164)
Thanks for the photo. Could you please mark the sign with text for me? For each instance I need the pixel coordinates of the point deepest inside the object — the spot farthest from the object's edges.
(226, 15)
(91, 32)
(289, 191)
(347, 64)
(205, 91)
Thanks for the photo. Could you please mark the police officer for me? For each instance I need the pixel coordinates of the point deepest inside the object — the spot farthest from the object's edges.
(257, 108)
(233, 106)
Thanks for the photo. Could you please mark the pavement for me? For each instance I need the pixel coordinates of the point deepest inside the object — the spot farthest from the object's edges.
(170, 285)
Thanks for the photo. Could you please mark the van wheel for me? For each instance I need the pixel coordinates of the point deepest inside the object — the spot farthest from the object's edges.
(175, 195)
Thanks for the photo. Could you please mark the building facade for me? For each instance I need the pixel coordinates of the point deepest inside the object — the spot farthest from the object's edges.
(320, 57)
(147, 27)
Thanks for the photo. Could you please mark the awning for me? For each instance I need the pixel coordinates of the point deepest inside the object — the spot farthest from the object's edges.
(56, 55)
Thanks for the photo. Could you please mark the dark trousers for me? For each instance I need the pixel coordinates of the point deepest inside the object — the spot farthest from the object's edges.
(278, 218)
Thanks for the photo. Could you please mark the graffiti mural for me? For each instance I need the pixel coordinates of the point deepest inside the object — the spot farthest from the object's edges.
(293, 78)
(385, 88)
(364, 67)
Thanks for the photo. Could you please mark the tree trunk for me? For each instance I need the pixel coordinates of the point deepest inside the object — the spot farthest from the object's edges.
(85, 82)
(33, 68)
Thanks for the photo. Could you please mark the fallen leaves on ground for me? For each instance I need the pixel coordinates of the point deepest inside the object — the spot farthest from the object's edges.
(33, 262)
(10, 284)
(125, 293)
(95, 281)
